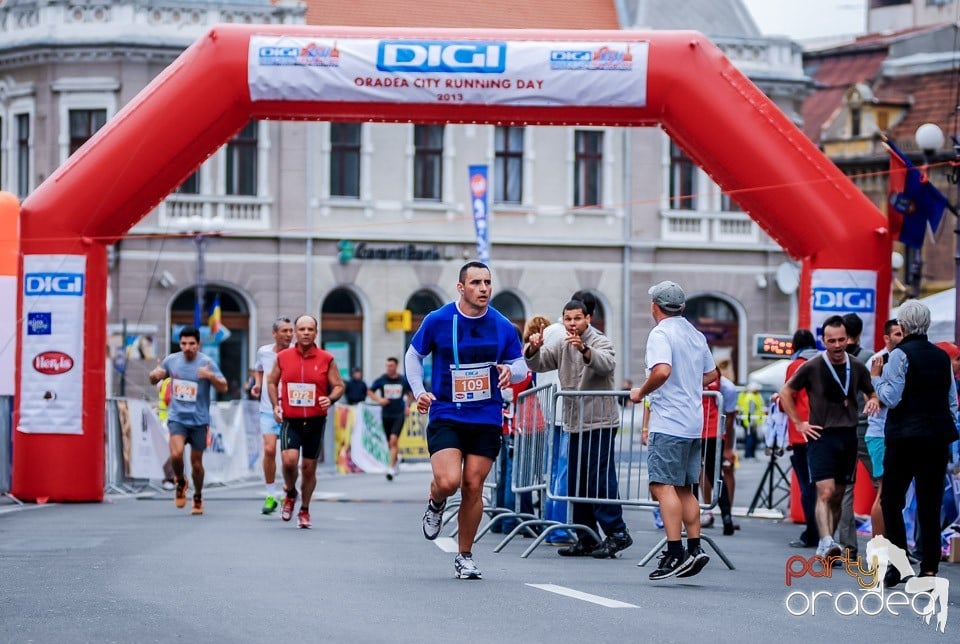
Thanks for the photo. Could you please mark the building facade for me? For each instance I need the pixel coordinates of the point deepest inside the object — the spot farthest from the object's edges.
(351, 222)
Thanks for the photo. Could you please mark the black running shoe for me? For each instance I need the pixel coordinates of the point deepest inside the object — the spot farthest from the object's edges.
(700, 559)
(613, 544)
(582, 548)
(670, 565)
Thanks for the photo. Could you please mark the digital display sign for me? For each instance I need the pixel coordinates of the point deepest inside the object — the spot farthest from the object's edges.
(772, 345)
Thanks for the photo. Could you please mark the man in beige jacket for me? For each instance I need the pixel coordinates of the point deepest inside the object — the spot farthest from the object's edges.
(586, 361)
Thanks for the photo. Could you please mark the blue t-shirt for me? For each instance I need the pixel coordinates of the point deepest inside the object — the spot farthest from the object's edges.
(482, 343)
(189, 395)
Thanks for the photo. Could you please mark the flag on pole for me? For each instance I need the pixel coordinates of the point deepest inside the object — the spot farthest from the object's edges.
(218, 332)
(913, 202)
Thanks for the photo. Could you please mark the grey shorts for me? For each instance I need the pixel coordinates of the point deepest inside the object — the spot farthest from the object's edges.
(672, 460)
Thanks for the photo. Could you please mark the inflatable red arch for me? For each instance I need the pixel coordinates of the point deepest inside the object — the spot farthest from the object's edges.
(678, 80)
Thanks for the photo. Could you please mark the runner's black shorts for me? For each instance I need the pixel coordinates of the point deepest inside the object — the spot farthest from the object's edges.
(833, 455)
(196, 435)
(303, 434)
(481, 440)
(392, 425)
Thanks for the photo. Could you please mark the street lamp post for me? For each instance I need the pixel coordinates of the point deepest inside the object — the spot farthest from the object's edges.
(200, 241)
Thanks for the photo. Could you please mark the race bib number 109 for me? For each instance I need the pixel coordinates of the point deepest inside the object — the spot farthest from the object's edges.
(471, 384)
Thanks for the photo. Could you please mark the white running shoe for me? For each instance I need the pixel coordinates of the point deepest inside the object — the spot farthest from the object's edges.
(466, 568)
(432, 520)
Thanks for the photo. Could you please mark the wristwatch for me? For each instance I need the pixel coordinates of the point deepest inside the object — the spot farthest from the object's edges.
(584, 349)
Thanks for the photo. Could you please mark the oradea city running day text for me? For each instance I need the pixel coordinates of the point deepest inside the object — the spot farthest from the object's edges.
(870, 600)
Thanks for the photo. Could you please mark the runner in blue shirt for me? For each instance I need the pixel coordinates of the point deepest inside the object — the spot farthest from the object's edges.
(191, 375)
(476, 353)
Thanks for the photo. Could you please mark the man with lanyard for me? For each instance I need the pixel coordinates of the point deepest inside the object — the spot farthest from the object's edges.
(191, 375)
(311, 384)
(269, 427)
(476, 353)
(390, 391)
(832, 381)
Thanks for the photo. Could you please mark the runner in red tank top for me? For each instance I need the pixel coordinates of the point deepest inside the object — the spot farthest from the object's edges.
(310, 382)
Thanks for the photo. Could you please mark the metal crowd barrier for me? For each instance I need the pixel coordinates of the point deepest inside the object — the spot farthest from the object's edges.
(623, 481)
(532, 423)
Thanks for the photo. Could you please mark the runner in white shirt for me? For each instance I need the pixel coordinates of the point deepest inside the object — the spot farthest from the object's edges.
(269, 427)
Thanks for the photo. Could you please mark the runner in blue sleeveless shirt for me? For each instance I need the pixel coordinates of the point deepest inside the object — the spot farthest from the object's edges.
(476, 352)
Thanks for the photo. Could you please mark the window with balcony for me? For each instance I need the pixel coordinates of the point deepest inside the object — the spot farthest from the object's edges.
(508, 165)
(83, 125)
(683, 180)
(190, 185)
(345, 160)
(587, 168)
(241, 173)
(427, 162)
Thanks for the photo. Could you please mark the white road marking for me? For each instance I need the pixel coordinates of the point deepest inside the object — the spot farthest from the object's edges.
(447, 544)
(587, 597)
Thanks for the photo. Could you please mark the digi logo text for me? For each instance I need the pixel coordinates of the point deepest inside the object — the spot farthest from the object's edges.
(451, 57)
(53, 284)
(846, 300)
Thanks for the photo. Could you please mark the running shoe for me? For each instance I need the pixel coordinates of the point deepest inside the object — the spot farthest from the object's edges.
(303, 518)
(197, 506)
(671, 565)
(432, 520)
(391, 472)
(180, 495)
(286, 513)
(706, 519)
(270, 505)
(613, 544)
(699, 559)
(465, 568)
(832, 549)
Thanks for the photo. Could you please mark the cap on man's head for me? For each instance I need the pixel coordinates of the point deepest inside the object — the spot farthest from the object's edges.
(952, 350)
(668, 296)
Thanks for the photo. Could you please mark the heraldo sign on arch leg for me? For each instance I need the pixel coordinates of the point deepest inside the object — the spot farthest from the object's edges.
(678, 80)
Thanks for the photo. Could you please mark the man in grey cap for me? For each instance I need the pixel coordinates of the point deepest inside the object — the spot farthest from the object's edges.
(679, 365)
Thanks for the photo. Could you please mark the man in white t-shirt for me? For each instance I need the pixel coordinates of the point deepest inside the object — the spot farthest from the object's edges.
(269, 427)
(679, 365)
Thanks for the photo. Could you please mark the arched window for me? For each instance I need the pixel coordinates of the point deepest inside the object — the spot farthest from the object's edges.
(717, 320)
(341, 324)
(510, 306)
(420, 304)
(231, 352)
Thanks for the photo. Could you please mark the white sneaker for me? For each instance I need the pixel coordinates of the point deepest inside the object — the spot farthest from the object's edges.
(432, 520)
(391, 472)
(465, 568)
(831, 549)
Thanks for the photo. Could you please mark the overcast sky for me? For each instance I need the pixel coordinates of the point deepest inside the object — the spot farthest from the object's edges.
(809, 18)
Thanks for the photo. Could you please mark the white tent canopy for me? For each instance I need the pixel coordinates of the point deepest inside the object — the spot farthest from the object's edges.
(942, 307)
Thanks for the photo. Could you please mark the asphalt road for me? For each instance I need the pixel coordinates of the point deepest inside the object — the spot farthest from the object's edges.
(140, 570)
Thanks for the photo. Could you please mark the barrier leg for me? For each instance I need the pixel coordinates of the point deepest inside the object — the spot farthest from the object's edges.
(563, 526)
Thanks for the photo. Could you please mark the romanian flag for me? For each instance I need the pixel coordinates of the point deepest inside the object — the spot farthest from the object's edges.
(218, 332)
(913, 202)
